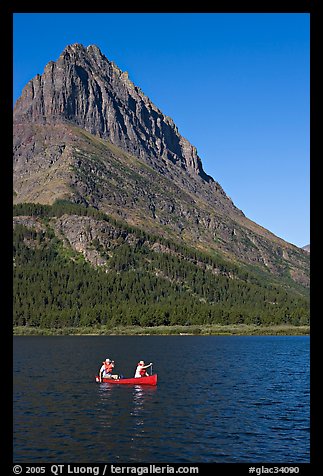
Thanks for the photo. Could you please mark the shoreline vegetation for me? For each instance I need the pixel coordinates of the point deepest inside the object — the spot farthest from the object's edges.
(228, 330)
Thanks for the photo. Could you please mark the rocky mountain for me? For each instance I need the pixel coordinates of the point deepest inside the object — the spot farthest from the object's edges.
(84, 87)
(307, 248)
(85, 133)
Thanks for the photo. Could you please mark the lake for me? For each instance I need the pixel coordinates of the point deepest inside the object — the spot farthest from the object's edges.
(219, 399)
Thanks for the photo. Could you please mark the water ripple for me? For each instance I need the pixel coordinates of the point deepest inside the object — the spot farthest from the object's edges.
(235, 399)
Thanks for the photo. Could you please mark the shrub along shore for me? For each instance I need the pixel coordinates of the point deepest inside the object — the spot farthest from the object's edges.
(239, 329)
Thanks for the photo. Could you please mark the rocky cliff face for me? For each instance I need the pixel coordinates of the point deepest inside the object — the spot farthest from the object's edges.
(84, 87)
(84, 132)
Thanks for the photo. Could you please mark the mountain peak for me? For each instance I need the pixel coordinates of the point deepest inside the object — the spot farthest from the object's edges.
(77, 50)
(85, 88)
(84, 132)
(75, 47)
(79, 54)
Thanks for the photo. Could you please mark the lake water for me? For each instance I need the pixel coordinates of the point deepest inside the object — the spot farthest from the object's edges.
(219, 399)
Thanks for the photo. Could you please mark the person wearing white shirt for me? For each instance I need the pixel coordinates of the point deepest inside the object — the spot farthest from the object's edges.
(141, 369)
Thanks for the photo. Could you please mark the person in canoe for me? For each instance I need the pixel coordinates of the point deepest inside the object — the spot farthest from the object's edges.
(106, 370)
(141, 370)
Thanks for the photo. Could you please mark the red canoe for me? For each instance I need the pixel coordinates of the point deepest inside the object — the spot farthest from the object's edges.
(150, 380)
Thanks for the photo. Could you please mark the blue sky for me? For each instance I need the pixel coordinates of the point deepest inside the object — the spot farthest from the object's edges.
(236, 86)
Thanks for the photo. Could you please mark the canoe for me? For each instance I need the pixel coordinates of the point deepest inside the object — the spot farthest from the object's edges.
(150, 380)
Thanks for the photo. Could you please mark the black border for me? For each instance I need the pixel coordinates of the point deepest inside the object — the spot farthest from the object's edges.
(236, 6)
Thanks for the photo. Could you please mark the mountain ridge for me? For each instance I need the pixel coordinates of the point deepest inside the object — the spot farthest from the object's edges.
(85, 94)
(84, 132)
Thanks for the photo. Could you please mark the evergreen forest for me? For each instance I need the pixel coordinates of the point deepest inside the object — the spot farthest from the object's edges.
(56, 287)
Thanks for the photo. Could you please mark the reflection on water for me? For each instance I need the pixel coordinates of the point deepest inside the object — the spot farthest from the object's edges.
(236, 400)
(125, 419)
(129, 404)
(141, 397)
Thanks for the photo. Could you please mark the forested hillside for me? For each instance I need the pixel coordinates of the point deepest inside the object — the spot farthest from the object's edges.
(129, 277)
